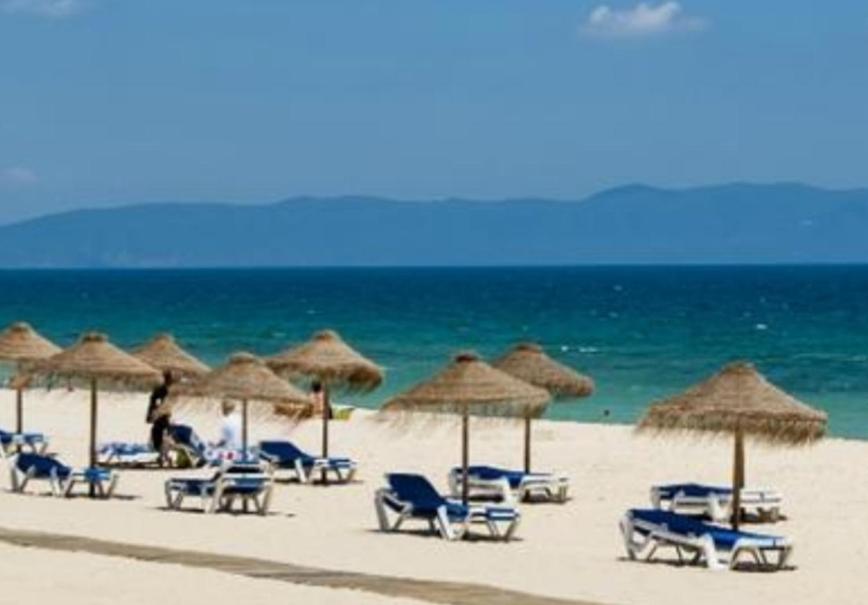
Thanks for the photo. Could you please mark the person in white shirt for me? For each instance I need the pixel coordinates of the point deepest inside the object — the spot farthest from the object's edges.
(230, 428)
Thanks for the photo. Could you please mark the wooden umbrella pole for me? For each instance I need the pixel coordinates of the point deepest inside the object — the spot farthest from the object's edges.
(737, 478)
(93, 428)
(19, 414)
(19, 410)
(326, 406)
(465, 454)
(527, 444)
(244, 426)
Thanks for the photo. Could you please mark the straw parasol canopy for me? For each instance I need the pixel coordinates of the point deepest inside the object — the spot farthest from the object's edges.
(528, 362)
(468, 386)
(247, 379)
(738, 400)
(165, 354)
(95, 359)
(21, 344)
(327, 358)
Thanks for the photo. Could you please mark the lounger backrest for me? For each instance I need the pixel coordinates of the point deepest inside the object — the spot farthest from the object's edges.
(41, 465)
(283, 450)
(416, 489)
(185, 435)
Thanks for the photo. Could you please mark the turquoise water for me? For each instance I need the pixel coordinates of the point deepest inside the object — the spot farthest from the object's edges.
(641, 332)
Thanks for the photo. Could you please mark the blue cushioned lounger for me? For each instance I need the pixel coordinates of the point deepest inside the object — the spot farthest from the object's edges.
(26, 468)
(509, 485)
(411, 496)
(127, 454)
(237, 482)
(645, 530)
(33, 442)
(285, 455)
(714, 501)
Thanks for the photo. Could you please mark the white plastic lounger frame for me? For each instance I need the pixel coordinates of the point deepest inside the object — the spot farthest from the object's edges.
(61, 488)
(546, 486)
(217, 496)
(718, 506)
(642, 539)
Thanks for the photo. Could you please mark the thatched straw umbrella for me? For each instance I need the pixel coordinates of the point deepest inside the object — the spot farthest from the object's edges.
(328, 359)
(163, 353)
(528, 362)
(95, 359)
(21, 344)
(247, 379)
(740, 401)
(468, 386)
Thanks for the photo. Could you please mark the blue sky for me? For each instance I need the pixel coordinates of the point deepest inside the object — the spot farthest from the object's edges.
(122, 101)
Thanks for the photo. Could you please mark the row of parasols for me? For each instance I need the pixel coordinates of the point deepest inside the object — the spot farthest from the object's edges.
(737, 401)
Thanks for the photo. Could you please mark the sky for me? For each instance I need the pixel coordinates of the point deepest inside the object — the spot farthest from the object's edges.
(108, 102)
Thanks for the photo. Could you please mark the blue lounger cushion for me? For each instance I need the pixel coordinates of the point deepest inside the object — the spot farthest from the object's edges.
(693, 490)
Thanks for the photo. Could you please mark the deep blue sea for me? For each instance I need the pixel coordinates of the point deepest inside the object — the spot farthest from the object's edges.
(641, 332)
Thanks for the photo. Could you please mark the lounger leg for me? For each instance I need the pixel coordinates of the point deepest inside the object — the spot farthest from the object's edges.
(444, 525)
(380, 507)
(299, 472)
(710, 554)
(113, 483)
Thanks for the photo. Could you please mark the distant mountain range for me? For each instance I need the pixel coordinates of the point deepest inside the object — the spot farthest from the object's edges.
(739, 223)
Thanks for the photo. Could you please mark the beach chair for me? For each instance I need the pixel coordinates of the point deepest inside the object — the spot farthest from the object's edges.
(646, 530)
(411, 496)
(286, 456)
(509, 486)
(247, 483)
(26, 468)
(120, 453)
(35, 443)
(715, 502)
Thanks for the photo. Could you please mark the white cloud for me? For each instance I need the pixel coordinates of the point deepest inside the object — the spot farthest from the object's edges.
(17, 176)
(54, 9)
(642, 20)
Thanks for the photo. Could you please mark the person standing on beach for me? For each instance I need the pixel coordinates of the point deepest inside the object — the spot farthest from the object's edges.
(230, 428)
(157, 417)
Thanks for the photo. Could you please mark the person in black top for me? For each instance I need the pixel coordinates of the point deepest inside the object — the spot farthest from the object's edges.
(157, 418)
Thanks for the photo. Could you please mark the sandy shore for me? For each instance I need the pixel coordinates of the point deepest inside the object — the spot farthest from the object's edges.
(569, 551)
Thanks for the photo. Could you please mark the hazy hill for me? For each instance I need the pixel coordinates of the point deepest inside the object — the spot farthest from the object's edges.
(634, 224)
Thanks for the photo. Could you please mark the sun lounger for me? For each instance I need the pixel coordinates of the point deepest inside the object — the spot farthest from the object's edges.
(27, 468)
(284, 455)
(33, 442)
(238, 482)
(127, 454)
(715, 502)
(644, 531)
(509, 486)
(411, 496)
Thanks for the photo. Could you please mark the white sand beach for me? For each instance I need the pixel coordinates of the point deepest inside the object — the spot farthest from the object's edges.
(571, 551)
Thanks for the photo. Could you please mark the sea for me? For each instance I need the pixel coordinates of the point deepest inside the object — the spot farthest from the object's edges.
(642, 333)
